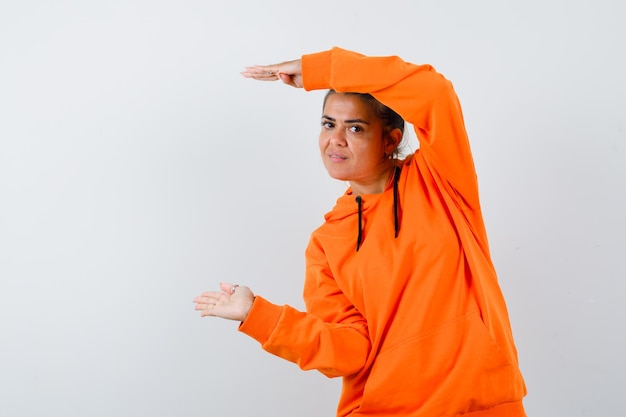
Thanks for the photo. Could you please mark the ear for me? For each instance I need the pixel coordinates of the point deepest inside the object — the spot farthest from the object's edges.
(392, 140)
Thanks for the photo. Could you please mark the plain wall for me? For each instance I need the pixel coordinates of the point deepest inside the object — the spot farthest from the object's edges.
(138, 169)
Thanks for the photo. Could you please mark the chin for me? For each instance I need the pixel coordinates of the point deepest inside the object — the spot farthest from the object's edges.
(337, 176)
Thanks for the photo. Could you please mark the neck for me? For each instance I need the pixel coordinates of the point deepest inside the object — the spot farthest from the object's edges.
(376, 186)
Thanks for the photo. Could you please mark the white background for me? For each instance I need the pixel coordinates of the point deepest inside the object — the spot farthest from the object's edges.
(138, 168)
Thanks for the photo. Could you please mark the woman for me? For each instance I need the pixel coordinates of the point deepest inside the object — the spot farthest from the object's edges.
(401, 295)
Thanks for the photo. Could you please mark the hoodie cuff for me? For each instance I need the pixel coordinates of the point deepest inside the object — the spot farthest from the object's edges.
(262, 319)
(316, 70)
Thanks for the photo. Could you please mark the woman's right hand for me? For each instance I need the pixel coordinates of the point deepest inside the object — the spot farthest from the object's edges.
(289, 72)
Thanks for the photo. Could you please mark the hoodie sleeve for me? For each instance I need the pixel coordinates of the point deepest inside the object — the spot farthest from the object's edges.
(422, 96)
(330, 337)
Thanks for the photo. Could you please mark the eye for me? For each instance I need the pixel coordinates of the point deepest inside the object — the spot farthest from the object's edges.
(355, 129)
(327, 125)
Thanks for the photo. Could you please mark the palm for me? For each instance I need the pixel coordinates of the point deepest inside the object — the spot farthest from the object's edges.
(225, 305)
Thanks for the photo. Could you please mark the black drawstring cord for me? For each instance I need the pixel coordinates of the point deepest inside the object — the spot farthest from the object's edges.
(396, 216)
(396, 219)
(359, 202)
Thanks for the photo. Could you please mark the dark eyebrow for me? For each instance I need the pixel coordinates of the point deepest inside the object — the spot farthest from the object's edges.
(346, 121)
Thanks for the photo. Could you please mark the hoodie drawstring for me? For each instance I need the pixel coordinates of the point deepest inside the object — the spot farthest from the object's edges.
(396, 216)
(359, 202)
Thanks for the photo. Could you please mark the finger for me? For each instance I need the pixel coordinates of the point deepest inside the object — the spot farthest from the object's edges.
(263, 69)
(228, 288)
(286, 79)
(207, 296)
(261, 72)
(208, 311)
(203, 307)
(261, 77)
(200, 302)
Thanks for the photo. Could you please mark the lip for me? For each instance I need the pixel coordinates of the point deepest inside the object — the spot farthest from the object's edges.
(336, 157)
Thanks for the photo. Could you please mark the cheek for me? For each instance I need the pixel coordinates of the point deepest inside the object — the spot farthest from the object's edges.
(365, 149)
(322, 141)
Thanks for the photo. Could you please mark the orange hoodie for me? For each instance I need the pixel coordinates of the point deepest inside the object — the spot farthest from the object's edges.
(414, 320)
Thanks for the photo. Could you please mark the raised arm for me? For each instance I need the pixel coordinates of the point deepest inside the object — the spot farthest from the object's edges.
(422, 96)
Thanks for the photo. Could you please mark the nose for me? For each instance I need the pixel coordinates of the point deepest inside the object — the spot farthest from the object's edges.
(337, 138)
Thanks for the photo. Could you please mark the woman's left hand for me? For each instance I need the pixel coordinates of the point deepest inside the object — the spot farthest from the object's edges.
(289, 72)
(233, 302)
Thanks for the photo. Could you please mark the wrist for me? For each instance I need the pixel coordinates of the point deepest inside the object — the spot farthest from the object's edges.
(247, 309)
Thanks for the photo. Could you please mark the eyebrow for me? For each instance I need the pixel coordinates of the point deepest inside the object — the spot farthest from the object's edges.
(332, 119)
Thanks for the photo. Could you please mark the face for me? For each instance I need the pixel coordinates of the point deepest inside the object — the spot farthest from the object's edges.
(352, 143)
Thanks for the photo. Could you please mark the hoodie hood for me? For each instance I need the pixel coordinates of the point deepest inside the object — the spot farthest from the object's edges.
(349, 204)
